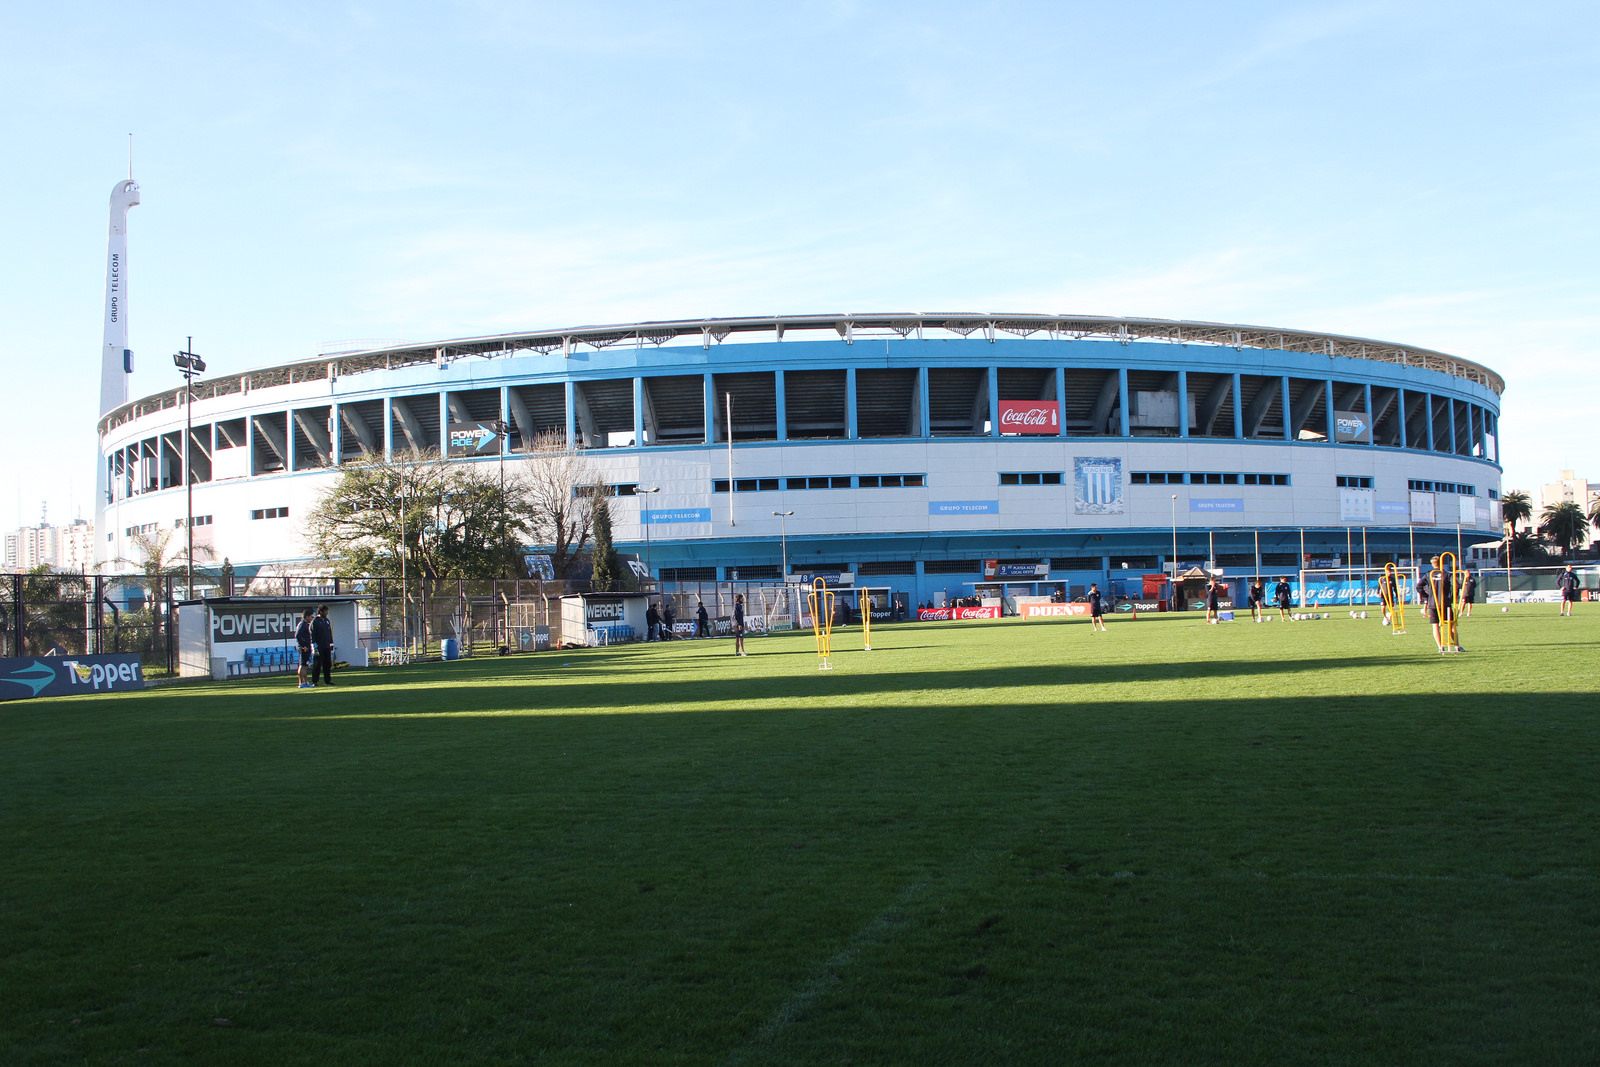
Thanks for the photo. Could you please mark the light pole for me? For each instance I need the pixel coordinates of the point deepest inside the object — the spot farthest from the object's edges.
(644, 520)
(783, 518)
(188, 365)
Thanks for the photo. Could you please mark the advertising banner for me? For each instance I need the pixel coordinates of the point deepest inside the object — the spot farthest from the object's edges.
(1097, 485)
(956, 614)
(1351, 427)
(473, 439)
(241, 623)
(1030, 417)
(1212, 504)
(963, 507)
(1051, 611)
(1422, 508)
(993, 568)
(60, 676)
(671, 516)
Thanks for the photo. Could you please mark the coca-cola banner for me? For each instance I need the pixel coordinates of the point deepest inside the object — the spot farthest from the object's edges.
(956, 614)
(1030, 416)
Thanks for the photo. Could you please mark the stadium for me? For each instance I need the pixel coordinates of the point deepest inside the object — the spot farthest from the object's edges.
(929, 455)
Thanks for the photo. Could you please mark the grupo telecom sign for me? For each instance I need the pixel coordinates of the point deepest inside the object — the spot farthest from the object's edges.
(60, 676)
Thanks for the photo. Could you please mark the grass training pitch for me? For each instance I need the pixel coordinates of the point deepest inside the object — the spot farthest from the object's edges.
(980, 843)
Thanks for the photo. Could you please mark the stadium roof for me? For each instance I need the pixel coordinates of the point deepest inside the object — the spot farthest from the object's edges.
(846, 327)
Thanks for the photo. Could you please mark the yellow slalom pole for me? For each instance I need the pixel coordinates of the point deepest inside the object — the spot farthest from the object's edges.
(1394, 598)
(821, 601)
(1450, 571)
(866, 621)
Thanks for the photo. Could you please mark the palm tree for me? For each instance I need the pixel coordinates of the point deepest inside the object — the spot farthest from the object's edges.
(1565, 524)
(159, 557)
(1594, 513)
(1515, 507)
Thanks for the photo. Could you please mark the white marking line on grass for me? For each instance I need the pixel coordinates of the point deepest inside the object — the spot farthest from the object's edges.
(875, 931)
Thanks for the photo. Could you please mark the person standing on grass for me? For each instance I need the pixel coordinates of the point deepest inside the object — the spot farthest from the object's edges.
(702, 620)
(652, 623)
(1469, 589)
(1436, 591)
(1213, 600)
(1387, 588)
(738, 624)
(1568, 584)
(1097, 610)
(667, 619)
(1258, 598)
(302, 640)
(1280, 593)
(322, 637)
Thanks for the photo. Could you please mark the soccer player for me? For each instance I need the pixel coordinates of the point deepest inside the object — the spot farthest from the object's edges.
(302, 640)
(1097, 610)
(1388, 589)
(1568, 584)
(1469, 589)
(738, 625)
(1213, 600)
(1436, 591)
(1258, 598)
(1280, 593)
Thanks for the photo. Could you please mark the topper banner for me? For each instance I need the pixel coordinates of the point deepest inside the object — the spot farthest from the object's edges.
(1041, 417)
(60, 676)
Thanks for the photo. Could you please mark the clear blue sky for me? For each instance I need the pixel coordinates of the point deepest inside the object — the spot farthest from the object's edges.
(317, 176)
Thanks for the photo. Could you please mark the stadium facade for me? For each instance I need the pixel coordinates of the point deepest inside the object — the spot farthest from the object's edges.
(909, 448)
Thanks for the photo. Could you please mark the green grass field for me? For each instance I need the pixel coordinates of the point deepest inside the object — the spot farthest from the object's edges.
(981, 843)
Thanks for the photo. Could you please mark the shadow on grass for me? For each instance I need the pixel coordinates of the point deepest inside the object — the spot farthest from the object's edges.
(986, 687)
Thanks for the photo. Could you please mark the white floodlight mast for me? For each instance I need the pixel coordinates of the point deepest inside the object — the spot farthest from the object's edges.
(116, 360)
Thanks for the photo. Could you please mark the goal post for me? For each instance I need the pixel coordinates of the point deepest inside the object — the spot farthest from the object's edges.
(1352, 587)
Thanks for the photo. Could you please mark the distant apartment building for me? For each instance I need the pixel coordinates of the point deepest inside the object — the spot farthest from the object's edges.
(61, 548)
(1569, 487)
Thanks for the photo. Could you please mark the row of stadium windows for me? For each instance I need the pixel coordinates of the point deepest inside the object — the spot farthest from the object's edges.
(891, 568)
(847, 404)
(1206, 478)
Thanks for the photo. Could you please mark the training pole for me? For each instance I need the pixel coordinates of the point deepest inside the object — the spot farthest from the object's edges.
(821, 599)
(866, 620)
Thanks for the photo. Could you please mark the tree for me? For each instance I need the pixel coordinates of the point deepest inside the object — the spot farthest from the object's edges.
(1525, 548)
(1594, 513)
(605, 553)
(1565, 524)
(159, 556)
(448, 520)
(559, 509)
(1515, 507)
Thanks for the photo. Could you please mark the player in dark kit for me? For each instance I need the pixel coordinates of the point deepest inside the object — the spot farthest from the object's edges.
(1568, 584)
(1213, 600)
(1436, 591)
(1280, 593)
(1469, 589)
(1258, 598)
(1097, 610)
(738, 625)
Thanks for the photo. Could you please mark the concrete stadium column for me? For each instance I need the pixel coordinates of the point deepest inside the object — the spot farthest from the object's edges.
(1327, 408)
(994, 401)
(1400, 402)
(505, 419)
(1288, 420)
(1450, 406)
(850, 403)
(335, 437)
(638, 412)
(1372, 433)
(780, 391)
(1122, 397)
(1183, 403)
(1061, 400)
(710, 409)
(288, 440)
(571, 401)
(922, 402)
(444, 425)
(1427, 404)
(1238, 408)
(388, 429)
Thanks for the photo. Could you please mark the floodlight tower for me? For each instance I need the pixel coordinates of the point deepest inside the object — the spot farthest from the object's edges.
(116, 359)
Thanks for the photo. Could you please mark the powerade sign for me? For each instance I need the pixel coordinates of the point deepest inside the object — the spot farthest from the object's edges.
(60, 676)
(252, 624)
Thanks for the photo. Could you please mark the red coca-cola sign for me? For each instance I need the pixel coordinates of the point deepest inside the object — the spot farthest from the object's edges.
(1030, 416)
